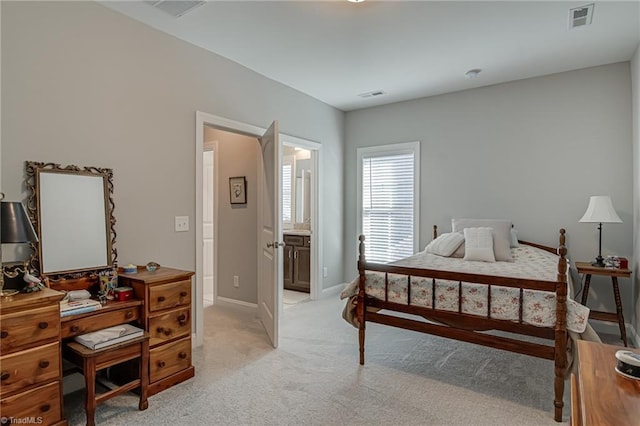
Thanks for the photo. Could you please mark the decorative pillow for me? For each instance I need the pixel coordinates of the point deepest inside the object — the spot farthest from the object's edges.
(501, 234)
(514, 238)
(445, 244)
(459, 253)
(479, 244)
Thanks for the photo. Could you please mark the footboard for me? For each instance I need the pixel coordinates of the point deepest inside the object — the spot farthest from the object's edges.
(467, 327)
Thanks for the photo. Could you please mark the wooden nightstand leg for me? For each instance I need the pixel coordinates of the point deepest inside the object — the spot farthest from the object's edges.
(585, 290)
(616, 294)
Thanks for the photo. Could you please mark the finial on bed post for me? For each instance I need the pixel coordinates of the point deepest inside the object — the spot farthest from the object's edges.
(561, 328)
(435, 231)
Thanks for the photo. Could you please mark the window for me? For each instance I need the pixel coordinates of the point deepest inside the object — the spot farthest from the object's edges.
(287, 188)
(388, 201)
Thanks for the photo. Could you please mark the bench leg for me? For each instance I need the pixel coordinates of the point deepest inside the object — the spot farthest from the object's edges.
(616, 295)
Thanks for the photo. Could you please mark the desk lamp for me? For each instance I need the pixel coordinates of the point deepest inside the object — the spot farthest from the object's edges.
(600, 210)
(15, 229)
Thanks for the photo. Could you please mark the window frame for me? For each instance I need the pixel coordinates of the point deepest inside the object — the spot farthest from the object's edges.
(382, 151)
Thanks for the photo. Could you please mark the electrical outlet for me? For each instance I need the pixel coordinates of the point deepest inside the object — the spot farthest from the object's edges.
(236, 281)
(182, 223)
(325, 272)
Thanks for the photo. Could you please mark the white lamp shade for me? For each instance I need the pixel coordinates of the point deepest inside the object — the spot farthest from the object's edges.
(600, 210)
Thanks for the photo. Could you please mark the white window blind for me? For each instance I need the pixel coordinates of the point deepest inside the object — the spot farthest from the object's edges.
(388, 205)
(287, 188)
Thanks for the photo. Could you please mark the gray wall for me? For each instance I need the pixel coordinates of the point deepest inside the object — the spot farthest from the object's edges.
(635, 262)
(532, 151)
(237, 155)
(84, 85)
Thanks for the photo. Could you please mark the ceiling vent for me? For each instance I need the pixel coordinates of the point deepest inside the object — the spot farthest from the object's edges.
(371, 94)
(176, 8)
(580, 16)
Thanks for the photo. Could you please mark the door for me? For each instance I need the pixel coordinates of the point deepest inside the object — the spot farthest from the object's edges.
(270, 225)
(207, 227)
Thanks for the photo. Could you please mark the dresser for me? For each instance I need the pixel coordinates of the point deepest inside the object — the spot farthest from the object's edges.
(599, 395)
(166, 316)
(30, 362)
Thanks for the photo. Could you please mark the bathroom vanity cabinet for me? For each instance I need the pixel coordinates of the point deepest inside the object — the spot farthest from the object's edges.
(297, 262)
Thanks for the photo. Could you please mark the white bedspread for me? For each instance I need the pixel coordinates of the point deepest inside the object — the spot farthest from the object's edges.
(529, 263)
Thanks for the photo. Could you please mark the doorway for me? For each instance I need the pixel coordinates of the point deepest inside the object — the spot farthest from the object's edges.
(203, 121)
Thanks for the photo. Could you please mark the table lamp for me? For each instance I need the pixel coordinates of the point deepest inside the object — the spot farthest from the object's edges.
(600, 210)
(16, 228)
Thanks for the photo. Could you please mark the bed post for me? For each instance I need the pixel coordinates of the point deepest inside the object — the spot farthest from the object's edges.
(435, 231)
(361, 299)
(561, 329)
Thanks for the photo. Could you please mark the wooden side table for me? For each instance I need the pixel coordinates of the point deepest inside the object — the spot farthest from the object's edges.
(599, 395)
(588, 270)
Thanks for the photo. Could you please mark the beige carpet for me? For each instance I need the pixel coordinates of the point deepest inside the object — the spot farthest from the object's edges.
(313, 378)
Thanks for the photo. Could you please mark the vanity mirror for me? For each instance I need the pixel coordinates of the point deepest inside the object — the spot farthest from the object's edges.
(71, 209)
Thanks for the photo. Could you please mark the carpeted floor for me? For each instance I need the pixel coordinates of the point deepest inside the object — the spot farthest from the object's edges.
(314, 378)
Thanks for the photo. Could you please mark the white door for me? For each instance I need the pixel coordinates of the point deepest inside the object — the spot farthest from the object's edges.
(270, 225)
(207, 227)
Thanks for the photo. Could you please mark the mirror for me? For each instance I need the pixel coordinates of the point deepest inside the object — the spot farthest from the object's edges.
(71, 209)
(296, 186)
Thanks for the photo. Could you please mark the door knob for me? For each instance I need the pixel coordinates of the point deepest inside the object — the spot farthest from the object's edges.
(275, 244)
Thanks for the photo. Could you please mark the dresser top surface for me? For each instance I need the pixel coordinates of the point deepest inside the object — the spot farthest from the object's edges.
(23, 301)
(161, 274)
(605, 395)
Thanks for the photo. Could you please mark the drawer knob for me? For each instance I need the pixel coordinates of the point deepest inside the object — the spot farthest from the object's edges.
(129, 314)
(160, 329)
(161, 364)
(4, 333)
(45, 407)
(5, 375)
(182, 318)
(182, 355)
(167, 332)
(160, 298)
(74, 328)
(183, 294)
(43, 364)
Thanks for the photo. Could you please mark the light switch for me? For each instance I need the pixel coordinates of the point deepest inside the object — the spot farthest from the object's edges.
(182, 223)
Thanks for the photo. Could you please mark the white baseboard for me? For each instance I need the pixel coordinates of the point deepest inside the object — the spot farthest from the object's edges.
(332, 291)
(224, 301)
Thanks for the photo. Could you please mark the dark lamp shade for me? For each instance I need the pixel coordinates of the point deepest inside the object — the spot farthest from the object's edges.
(16, 226)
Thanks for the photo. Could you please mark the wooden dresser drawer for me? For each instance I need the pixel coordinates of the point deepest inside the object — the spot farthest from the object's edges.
(29, 327)
(77, 326)
(37, 406)
(168, 359)
(29, 367)
(169, 295)
(169, 325)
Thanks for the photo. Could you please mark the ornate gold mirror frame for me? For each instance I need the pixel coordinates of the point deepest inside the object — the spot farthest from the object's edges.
(71, 209)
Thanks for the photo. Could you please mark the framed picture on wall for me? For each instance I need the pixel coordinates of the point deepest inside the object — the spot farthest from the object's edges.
(238, 190)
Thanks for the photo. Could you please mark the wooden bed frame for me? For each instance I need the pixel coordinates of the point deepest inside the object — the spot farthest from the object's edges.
(468, 328)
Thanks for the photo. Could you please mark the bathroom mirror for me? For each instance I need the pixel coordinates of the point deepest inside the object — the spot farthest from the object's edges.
(72, 211)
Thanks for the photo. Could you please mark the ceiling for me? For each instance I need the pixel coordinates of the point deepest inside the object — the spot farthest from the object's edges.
(335, 50)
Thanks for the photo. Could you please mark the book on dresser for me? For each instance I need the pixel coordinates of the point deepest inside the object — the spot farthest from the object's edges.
(109, 336)
(78, 307)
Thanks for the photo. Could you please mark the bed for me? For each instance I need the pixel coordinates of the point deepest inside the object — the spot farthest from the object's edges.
(463, 299)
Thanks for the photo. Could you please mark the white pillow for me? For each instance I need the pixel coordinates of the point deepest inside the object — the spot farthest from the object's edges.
(445, 244)
(478, 244)
(514, 238)
(501, 234)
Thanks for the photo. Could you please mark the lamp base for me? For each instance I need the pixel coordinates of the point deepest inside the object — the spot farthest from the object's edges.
(599, 262)
(8, 293)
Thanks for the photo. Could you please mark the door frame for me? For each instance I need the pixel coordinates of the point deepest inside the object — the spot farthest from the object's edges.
(222, 123)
